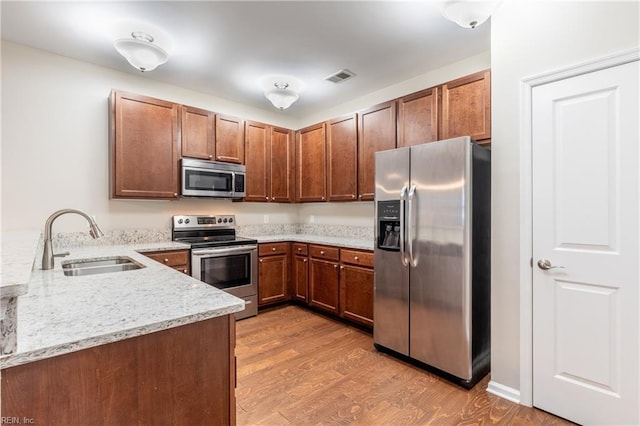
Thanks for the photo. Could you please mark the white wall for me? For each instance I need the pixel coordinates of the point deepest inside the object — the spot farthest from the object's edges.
(528, 38)
(55, 145)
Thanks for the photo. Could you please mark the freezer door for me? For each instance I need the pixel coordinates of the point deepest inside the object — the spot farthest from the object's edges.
(391, 277)
(440, 298)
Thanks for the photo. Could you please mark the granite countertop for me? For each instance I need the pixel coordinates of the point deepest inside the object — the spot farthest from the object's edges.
(318, 239)
(61, 314)
(18, 253)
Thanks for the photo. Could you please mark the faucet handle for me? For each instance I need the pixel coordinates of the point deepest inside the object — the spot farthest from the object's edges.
(63, 254)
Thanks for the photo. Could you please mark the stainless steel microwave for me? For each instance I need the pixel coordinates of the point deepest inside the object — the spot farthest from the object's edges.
(202, 178)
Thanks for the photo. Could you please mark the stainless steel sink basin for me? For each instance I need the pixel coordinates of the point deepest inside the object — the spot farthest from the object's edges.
(74, 268)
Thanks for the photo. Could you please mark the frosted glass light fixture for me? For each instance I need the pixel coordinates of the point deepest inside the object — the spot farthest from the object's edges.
(140, 51)
(281, 96)
(468, 13)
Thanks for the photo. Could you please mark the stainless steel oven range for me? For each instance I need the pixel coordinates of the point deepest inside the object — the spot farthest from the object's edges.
(220, 258)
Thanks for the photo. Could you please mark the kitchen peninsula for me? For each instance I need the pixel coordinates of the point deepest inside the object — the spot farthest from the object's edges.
(116, 348)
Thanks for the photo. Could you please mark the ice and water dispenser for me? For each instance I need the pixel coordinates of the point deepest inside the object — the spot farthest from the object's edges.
(389, 225)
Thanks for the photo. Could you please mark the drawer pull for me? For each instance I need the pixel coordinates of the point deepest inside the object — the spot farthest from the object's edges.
(321, 251)
(299, 248)
(273, 249)
(342, 267)
(166, 260)
(355, 257)
(304, 260)
(184, 270)
(335, 266)
(261, 260)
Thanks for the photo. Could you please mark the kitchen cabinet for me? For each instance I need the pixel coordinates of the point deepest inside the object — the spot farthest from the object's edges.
(311, 164)
(273, 273)
(342, 158)
(466, 107)
(376, 132)
(418, 118)
(144, 147)
(181, 375)
(356, 286)
(229, 145)
(300, 272)
(198, 132)
(324, 278)
(176, 259)
(269, 162)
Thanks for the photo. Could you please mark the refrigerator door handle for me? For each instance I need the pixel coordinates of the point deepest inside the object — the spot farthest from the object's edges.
(403, 198)
(413, 261)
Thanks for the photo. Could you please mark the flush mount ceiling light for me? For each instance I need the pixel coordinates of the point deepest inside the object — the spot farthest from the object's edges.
(468, 14)
(140, 51)
(281, 96)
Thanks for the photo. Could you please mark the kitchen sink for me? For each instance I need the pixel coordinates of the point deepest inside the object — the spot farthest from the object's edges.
(75, 268)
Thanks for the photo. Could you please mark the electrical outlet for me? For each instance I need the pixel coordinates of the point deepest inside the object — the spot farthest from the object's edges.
(266, 218)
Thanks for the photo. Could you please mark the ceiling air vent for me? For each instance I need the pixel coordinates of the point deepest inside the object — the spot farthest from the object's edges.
(340, 76)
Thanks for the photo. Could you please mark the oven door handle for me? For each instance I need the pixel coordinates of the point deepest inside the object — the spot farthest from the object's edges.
(216, 251)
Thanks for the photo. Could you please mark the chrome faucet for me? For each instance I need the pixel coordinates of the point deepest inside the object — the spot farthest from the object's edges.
(47, 255)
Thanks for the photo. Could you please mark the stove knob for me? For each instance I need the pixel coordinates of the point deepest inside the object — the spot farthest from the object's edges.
(179, 220)
(230, 220)
(225, 220)
(187, 221)
(219, 220)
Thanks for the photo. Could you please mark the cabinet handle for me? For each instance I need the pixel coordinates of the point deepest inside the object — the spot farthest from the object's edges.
(166, 260)
(321, 251)
(355, 257)
(184, 270)
(175, 194)
(360, 196)
(273, 249)
(322, 198)
(266, 198)
(218, 157)
(210, 156)
(261, 260)
(304, 260)
(353, 196)
(342, 267)
(335, 266)
(299, 248)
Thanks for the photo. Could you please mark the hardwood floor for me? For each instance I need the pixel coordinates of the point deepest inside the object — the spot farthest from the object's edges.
(299, 367)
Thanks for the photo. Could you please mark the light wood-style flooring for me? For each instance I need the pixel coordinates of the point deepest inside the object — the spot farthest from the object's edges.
(297, 367)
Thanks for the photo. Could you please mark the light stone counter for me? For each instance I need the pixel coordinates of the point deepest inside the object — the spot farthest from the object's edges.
(346, 242)
(18, 253)
(62, 314)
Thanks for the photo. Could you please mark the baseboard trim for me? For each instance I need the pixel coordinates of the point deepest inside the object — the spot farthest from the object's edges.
(503, 391)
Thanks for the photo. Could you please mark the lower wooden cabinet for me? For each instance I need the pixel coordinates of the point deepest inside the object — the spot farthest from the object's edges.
(356, 294)
(177, 259)
(323, 285)
(273, 273)
(184, 375)
(300, 272)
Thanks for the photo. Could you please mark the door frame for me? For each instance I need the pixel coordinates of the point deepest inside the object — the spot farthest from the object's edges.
(526, 192)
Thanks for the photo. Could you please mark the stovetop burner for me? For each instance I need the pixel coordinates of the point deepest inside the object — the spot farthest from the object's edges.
(207, 231)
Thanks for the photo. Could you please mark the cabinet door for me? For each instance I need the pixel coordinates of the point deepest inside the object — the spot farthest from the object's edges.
(311, 164)
(466, 107)
(418, 118)
(376, 132)
(143, 147)
(342, 158)
(300, 278)
(282, 164)
(198, 133)
(356, 294)
(323, 285)
(229, 139)
(273, 279)
(258, 161)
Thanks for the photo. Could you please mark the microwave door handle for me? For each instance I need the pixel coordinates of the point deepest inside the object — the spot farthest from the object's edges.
(208, 252)
(233, 182)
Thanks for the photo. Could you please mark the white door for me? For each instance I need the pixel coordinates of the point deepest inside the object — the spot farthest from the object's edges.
(586, 196)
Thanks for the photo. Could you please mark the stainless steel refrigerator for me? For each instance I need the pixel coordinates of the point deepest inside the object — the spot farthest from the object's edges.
(432, 257)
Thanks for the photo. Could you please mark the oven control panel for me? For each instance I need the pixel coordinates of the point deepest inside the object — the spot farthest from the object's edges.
(204, 222)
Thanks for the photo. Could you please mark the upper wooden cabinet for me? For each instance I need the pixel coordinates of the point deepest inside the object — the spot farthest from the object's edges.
(269, 162)
(198, 132)
(229, 139)
(418, 118)
(282, 165)
(144, 147)
(311, 164)
(466, 107)
(342, 158)
(376, 132)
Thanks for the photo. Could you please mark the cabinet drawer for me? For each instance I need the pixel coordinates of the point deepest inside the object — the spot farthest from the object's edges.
(267, 249)
(300, 249)
(357, 257)
(170, 258)
(324, 252)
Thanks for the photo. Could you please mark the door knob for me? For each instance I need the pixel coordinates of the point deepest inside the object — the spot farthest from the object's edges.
(544, 264)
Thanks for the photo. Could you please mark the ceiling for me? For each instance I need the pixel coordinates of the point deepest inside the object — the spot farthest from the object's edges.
(225, 48)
